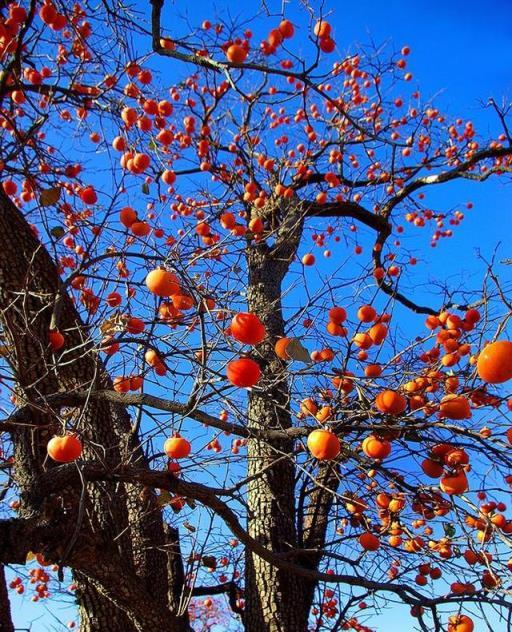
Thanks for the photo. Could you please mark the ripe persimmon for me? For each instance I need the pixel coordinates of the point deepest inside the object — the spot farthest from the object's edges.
(327, 45)
(121, 384)
(366, 313)
(286, 29)
(337, 315)
(247, 328)
(455, 483)
(177, 447)
(227, 221)
(127, 216)
(362, 340)
(183, 302)
(460, 623)
(322, 29)
(56, 340)
(140, 229)
(390, 402)
(323, 445)
(378, 333)
(162, 282)
(308, 406)
(376, 448)
(369, 541)
(280, 348)
(135, 325)
(168, 177)
(243, 372)
(64, 449)
(434, 469)
(236, 54)
(494, 364)
(88, 195)
(455, 407)
(373, 370)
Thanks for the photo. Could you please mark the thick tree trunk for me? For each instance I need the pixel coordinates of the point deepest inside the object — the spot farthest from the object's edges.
(120, 523)
(96, 612)
(274, 599)
(6, 624)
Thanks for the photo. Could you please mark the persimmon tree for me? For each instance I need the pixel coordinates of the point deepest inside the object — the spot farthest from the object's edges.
(218, 379)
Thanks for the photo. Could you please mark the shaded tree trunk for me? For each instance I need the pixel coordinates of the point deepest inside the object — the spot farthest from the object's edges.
(120, 523)
(6, 624)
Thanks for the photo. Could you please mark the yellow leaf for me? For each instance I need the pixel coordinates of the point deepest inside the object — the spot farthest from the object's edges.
(112, 324)
(49, 197)
(297, 352)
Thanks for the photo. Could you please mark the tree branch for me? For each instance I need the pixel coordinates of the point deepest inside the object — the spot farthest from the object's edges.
(348, 209)
(444, 176)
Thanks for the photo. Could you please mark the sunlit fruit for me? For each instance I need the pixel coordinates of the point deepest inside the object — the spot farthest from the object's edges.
(177, 448)
(376, 448)
(243, 372)
(323, 445)
(236, 54)
(494, 363)
(127, 216)
(322, 29)
(140, 229)
(280, 348)
(366, 313)
(460, 623)
(390, 402)
(455, 407)
(247, 328)
(286, 29)
(88, 195)
(337, 315)
(378, 333)
(454, 483)
(162, 282)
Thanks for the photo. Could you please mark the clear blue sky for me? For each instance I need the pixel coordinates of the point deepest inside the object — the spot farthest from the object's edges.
(462, 52)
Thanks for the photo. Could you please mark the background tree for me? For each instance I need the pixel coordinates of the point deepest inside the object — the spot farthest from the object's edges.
(159, 289)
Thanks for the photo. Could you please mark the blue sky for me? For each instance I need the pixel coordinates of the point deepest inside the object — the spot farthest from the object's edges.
(461, 52)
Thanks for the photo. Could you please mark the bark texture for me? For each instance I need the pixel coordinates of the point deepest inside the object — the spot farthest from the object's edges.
(6, 624)
(118, 524)
(273, 597)
(278, 601)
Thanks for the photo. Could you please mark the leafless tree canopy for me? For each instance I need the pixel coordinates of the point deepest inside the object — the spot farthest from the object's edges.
(283, 178)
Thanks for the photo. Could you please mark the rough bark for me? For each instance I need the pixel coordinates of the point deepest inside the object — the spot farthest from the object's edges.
(314, 520)
(122, 522)
(271, 594)
(278, 601)
(6, 624)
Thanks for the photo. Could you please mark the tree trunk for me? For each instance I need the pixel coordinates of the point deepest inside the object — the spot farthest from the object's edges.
(120, 523)
(96, 612)
(274, 599)
(6, 624)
